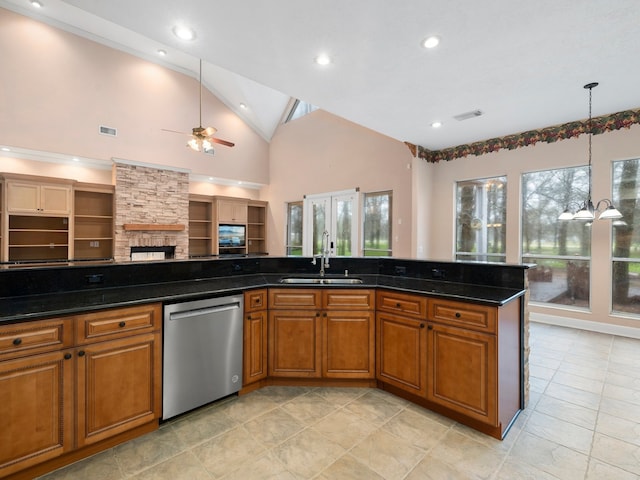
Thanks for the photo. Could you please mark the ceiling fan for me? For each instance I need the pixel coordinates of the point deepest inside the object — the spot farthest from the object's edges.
(202, 138)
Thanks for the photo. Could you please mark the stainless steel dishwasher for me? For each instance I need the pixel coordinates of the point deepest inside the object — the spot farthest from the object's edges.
(202, 352)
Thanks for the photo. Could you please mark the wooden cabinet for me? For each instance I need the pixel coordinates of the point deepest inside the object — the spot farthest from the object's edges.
(348, 333)
(60, 395)
(36, 393)
(402, 341)
(231, 210)
(93, 222)
(326, 333)
(38, 198)
(255, 357)
(474, 362)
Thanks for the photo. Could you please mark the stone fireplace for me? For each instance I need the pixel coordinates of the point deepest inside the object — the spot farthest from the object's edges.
(151, 211)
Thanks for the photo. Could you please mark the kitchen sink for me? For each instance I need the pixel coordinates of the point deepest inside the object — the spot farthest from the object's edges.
(323, 281)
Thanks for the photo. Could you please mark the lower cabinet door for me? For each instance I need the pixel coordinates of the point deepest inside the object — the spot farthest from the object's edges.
(294, 343)
(254, 353)
(349, 344)
(36, 398)
(119, 386)
(462, 373)
(401, 353)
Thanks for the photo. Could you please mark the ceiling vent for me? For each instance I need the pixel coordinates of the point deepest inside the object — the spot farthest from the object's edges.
(468, 115)
(112, 132)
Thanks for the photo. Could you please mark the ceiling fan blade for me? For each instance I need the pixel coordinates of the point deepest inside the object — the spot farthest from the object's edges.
(221, 142)
(174, 131)
(209, 131)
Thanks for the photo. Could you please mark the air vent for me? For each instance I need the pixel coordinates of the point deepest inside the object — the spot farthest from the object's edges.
(468, 115)
(112, 132)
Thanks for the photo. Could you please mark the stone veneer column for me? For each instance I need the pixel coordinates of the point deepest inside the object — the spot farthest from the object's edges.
(150, 195)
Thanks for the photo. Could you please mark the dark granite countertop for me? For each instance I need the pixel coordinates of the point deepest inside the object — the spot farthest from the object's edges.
(31, 307)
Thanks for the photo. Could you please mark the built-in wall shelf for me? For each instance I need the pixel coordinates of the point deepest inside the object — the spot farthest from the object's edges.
(149, 227)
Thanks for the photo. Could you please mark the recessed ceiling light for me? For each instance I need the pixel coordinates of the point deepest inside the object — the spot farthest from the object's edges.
(436, 124)
(162, 52)
(323, 59)
(184, 33)
(431, 42)
(36, 3)
(243, 106)
(6, 149)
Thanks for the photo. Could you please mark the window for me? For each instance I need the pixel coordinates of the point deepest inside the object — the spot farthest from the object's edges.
(376, 236)
(561, 249)
(294, 229)
(625, 290)
(299, 109)
(481, 226)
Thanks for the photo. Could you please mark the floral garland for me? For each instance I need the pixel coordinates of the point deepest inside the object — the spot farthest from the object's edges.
(602, 124)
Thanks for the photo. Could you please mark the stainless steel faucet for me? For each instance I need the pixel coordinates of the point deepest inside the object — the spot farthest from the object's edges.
(324, 255)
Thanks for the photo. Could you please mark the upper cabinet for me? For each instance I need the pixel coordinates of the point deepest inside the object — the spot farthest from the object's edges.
(38, 198)
(231, 210)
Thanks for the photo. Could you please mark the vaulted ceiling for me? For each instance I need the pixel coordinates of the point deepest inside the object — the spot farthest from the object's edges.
(522, 64)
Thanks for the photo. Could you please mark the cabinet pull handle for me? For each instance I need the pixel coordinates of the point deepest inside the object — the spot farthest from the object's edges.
(458, 315)
(122, 324)
(81, 353)
(67, 356)
(17, 341)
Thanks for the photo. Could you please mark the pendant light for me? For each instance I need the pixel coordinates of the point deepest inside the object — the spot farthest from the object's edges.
(586, 210)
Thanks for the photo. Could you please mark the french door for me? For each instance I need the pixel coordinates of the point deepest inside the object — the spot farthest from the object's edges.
(337, 214)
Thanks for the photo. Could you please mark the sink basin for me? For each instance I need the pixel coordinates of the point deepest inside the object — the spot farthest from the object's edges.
(322, 281)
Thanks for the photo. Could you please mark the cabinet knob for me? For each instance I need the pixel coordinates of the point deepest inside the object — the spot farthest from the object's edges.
(81, 353)
(122, 324)
(422, 325)
(317, 314)
(430, 327)
(67, 356)
(458, 315)
(248, 317)
(17, 341)
(398, 305)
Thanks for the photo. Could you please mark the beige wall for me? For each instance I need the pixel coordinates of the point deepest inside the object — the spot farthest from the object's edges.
(618, 145)
(57, 88)
(323, 153)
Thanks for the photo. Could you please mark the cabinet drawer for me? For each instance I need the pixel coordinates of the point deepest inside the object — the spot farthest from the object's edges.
(402, 303)
(283, 298)
(467, 315)
(255, 300)
(27, 338)
(119, 322)
(348, 299)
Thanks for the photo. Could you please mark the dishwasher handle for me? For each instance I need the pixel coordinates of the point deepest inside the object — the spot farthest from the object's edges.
(204, 311)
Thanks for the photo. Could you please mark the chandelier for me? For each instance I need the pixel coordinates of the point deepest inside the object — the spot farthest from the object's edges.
(587, 210)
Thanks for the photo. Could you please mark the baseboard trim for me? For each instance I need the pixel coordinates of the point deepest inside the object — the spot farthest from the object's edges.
(609, 328)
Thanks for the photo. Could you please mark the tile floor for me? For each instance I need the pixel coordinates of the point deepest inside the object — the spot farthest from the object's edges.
(583, 422)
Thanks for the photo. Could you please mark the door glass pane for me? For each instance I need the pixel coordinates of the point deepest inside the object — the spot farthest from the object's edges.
(294, 229)
(319, 226)
(344, 210)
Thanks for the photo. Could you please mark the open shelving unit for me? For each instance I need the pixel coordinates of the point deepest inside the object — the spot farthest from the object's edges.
(37, 238)
(256, 228)
(93, 222)
(200, 226)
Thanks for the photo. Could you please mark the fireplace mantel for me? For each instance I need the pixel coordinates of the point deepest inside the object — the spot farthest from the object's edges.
(154, 227)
